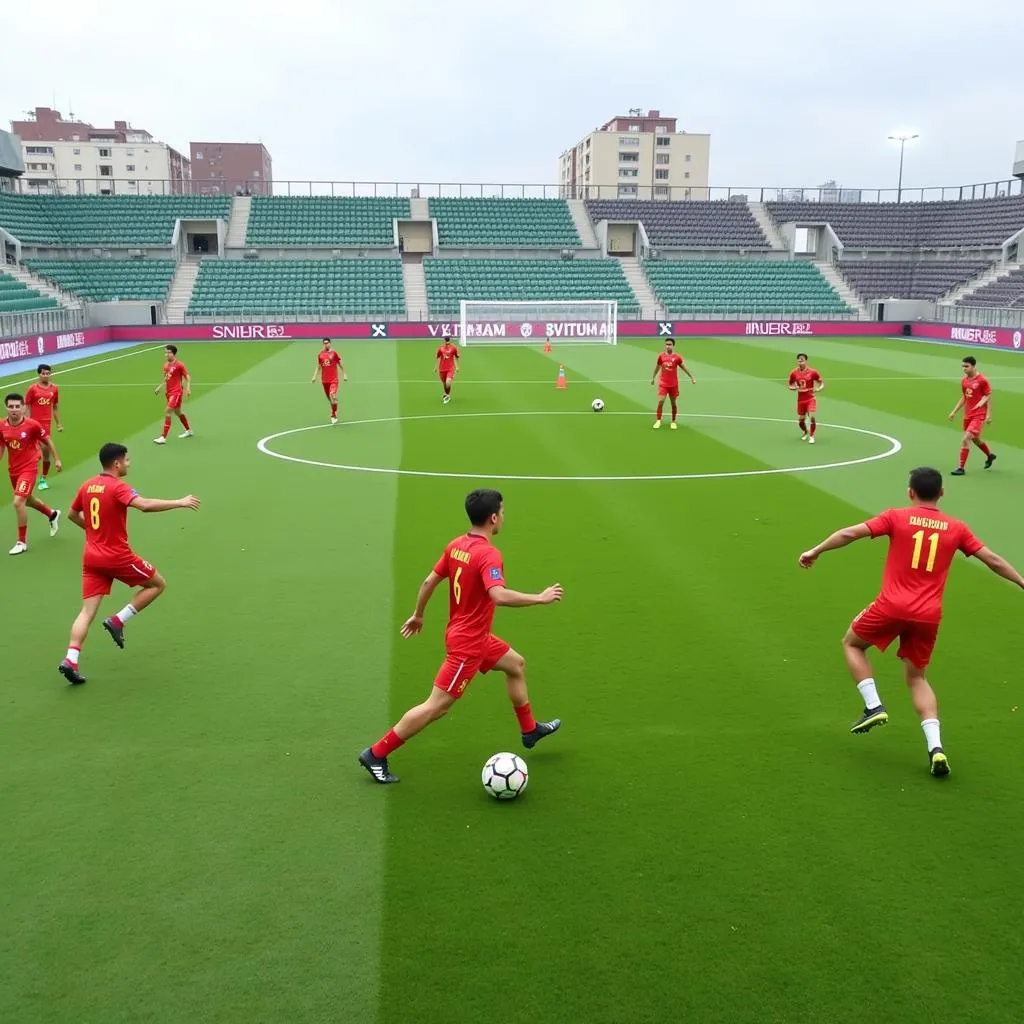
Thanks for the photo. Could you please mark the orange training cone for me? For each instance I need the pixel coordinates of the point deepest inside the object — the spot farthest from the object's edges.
(562, 382)
(547, 345)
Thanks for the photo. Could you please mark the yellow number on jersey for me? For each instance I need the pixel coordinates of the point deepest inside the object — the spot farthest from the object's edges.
(457, 585)
(94, 513)
(933, 548)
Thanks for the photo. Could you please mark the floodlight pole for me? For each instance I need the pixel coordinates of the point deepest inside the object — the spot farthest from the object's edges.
(902, 140)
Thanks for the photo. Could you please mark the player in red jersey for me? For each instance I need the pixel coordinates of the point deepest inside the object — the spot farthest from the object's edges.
(476, 586)
(922, 544)
(101, 508)
(43, 402)
(23, 438)
(976, 402)
(447, 357)
(328, 362)
(806, 382)
(666, 372)
(177, 385)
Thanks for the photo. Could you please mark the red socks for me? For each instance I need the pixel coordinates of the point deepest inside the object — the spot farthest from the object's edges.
(814, 426)
(334, 409)
(803, 425)
(964, 452)
(46, 510)
(167, 427)
(184, 422)
(527, 723)
(386, 744)
(46, 467)
(657, 414)
(983, 448)
(675, 412)
(22, 534)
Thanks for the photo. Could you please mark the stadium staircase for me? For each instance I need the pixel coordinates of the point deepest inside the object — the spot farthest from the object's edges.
(962, 293)
(842, 286)
(238, 221)
(419, 209)
(414, 281)
(650, 307)
(588, 238)
(179, 295)
(67, 300)
(767, 225)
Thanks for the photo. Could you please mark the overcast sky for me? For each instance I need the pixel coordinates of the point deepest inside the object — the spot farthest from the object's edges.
(793, 93)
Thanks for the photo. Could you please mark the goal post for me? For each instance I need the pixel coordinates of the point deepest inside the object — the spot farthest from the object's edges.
(588, 321)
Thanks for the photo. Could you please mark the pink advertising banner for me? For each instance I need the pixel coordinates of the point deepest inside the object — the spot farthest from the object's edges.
(38, 346)
(961, 334)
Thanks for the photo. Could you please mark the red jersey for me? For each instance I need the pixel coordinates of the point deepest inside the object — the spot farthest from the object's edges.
(447, 354)
(472, 566)
(922, 543)
(804, 380)
(328, 362)
(41, 399)
(669, 363)
(104, 500)
(975, 389)
(174, 377)
(22, 444)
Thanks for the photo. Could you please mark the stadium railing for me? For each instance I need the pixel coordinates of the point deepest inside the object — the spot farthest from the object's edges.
(981, 316)
(43, 321)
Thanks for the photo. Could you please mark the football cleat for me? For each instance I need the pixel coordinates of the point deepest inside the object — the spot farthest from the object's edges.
(531, 739)
(657, 424)
(810, 440)
(160, 440)
(377, 767)
(70, 673)
(19, 549)
(872, 717)
(116, 632)
(42, 485)
(673, 425)
(803, 437)
(991, 458)
(55, 522)
(938, 762)
(183, 435)
(334, 421)
(446, 399)
(959, 471)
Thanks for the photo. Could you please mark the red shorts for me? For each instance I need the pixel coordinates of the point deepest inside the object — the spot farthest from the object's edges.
(132, 572)
(806, 405)
(446, 375)
(668, 391)
(174, 399)
(24, 483)
(457, 670)
(330, 389)
(974, 426)
(917, 639)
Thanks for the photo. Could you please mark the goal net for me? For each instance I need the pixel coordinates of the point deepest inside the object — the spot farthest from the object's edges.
(527, 323)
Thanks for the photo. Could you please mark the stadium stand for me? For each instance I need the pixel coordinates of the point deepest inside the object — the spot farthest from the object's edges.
(742, 286)
(344, 287)
(451, 280)
(16, 297)
(324, 220)
(104, 220)
(976, 222)
(908, 279)
(108, 280)
(694, 224)
(506, 223)
(1005, 293)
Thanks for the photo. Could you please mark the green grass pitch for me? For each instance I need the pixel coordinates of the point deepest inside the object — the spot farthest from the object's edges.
(188, 837)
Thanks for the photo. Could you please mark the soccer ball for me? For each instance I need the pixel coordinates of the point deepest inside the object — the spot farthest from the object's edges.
(597, 404)
(504, 776)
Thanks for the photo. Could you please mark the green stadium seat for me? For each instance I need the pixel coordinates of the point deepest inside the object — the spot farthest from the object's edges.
(346, 287)
(508, 223)
(16, 297)
(108, 280)
(449, 281)
(324, 220)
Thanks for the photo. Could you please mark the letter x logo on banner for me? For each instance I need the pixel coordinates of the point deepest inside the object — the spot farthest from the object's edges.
(378, 330)
(664, 330)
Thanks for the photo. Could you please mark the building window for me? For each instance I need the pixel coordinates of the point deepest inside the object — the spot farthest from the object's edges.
(626, 141)
(661, 158)
(129, 167)
(661, 129)
(39, 150)
(78, 167)
(199, 155)
(132, 183)
(255, 174)
(626, 172)
(105, 152)
(106, 171)
(661, 192)
(688, 157)
(629, 158)
(625, 191)
(663, 142)
(686, 194)
(76, 152)
(661, 175)
(129, 152)
(686, 174)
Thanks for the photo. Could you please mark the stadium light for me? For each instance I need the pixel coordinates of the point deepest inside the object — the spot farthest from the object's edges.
(902, 140)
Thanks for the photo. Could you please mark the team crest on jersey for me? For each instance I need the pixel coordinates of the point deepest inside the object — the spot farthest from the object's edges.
(495, 573)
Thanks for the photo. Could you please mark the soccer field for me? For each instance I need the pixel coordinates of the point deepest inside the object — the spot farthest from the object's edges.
(189, 838)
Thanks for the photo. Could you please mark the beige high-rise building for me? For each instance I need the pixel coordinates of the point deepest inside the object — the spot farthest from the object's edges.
(637, 156)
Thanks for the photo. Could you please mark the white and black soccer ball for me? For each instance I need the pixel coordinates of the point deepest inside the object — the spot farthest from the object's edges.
(597, 405)
(505, 776)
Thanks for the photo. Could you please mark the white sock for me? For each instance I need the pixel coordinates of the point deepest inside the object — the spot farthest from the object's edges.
(73, 654)
(931, 733)
(126, 613)
(869, 693)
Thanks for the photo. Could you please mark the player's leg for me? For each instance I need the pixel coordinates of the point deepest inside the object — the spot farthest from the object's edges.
(139, 573)
(332, 397)
(183, 420)
(812, 409)
(673, 399)
(965, 451)
(52, 514)
(68, 668)
(917, 642)
(981, 446)
(662, 394)
(867, 630)
(43, 485)
(446, 382)
(168, 413)
(513, 665)
(801, 414)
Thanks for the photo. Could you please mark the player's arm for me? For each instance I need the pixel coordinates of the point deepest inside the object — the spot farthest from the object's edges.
(819, 384)
(956, 408)
(414, 623)
(75, 514)
(312, 380)
(1000, 566)
(792, 382)
(341, 366)
(657, 369)
(505, 598)
(682, 366)
(56, 412)
(186, 379)
(839, 539)
(52, 449)
(163, 504)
